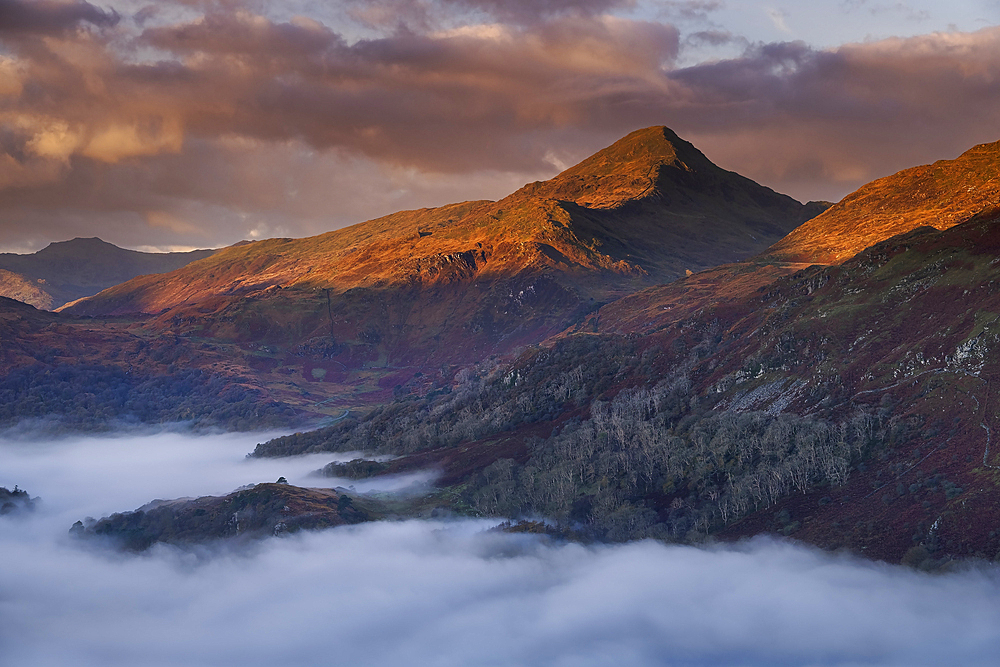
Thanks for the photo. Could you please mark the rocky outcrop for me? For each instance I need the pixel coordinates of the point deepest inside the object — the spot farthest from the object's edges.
(249, 513)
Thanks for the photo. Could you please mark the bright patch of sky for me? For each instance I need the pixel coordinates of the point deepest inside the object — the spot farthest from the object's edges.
(821, 24)
(710, 29)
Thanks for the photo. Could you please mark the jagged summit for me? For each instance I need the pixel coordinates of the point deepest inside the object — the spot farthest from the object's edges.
(633, 167)
(940, 195)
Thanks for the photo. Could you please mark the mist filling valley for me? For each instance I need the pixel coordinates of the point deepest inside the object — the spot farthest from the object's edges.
(433, 592)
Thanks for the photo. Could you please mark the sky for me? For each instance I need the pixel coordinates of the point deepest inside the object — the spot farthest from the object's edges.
(198, 123)
(434, 592)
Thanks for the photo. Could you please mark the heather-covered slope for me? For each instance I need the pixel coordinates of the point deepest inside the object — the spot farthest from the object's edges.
(23, 289)
(937, 196)
(457, 283)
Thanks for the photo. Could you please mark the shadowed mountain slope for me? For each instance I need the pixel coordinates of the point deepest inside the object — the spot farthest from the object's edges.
(455, 283)
(77, 374)
(69, 270)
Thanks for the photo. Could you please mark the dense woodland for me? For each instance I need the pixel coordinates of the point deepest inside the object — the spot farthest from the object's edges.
(620, 446)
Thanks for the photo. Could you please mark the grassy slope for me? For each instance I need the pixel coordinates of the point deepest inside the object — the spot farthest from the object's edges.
(939, 195)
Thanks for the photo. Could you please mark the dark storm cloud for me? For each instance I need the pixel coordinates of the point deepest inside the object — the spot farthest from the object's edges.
(45, 16)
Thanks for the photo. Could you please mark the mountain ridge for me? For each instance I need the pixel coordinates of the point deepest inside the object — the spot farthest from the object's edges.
(458, 282)
(941, 195)
(65, 271)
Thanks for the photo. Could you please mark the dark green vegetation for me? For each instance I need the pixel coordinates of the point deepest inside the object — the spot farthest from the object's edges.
(803, 409)
(69, 270)
(264, 509)
(354, 469)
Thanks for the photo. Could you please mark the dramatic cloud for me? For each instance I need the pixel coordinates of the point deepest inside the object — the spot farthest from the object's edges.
(176, 125)
(436, 593)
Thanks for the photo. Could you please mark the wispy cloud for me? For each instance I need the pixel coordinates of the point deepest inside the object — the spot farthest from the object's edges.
(778, 17)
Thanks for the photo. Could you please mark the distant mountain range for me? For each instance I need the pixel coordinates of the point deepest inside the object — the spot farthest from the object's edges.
(68, 270)
(550, 354)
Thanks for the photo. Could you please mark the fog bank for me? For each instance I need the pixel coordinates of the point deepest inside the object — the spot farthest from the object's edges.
(434, 593)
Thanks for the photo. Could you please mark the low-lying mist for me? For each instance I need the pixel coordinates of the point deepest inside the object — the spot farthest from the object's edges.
(433, 593)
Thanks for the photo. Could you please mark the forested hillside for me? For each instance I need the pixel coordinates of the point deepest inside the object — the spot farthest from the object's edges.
(837, 384)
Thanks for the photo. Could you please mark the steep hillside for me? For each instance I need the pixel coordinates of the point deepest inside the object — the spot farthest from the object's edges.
(939, 195)
(24, 289)
(65, 373)
(69, 270)
(457, 283)
(849, 406)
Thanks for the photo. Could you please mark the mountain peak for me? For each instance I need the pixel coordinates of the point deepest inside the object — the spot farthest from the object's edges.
(642, 149)
(82, 242)
(628, 169)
